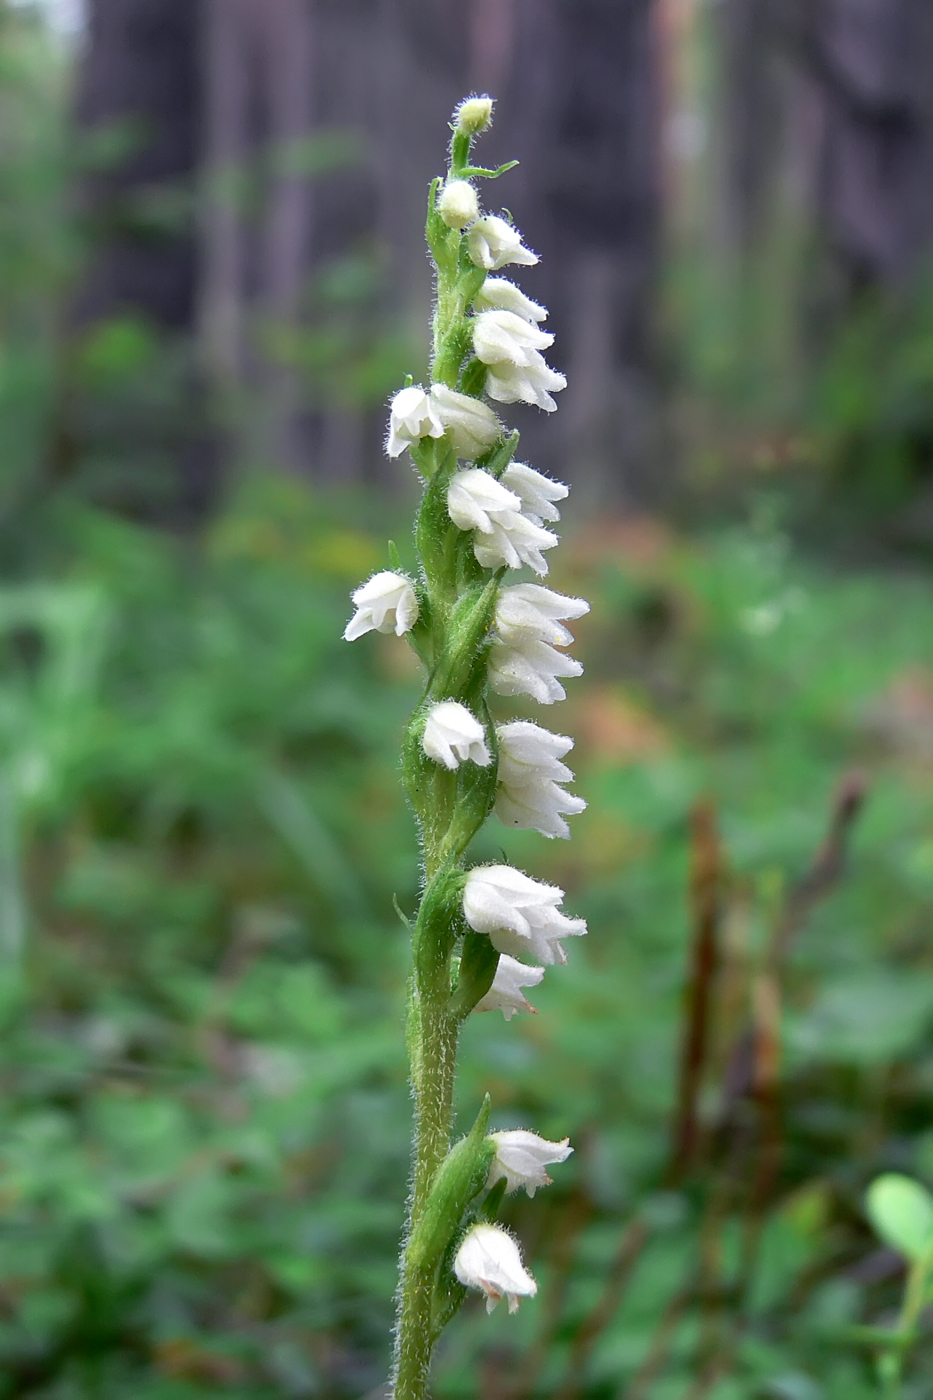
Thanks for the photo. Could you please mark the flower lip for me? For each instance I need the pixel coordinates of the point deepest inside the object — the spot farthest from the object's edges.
(488, 1259)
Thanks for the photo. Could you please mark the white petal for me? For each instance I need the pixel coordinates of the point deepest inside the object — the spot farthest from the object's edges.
(471, 424)
(497, 293)
(505, 994)
(475, 498)
(453, 736)
(537, 493)
(489, 1259)
(521, 1158)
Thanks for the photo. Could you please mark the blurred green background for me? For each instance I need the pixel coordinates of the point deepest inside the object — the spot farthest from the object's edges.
(205, 1115)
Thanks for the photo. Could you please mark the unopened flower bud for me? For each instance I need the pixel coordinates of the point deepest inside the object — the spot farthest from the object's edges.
(458, 204)
(452, 736)
(489, 1259)
(521, 1158)
(474, 115)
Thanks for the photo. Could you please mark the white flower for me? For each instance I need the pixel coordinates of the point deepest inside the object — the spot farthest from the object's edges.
(521, 1157)
(522, 660)
(534, 383)
(477, 501)
(489, 1259)
(505, 994)
(452, 736)
(492, 243)
(499, 294)
(474, 114)
(471, 424)
(530, 608)
(458, 204)
(530, 771)
(520, 915)
(501, 337)
(531, 668)
(385, 603)
(412, 416)
(536, 492)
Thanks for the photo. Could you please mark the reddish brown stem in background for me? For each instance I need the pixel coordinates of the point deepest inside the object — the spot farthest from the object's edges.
(705, 901)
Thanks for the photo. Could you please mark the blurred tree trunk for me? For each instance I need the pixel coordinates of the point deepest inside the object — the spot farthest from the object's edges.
(227, 88)
(870, 63)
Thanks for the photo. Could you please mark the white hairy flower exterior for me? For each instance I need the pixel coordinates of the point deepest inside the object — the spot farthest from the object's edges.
(521, 1157)
(501, 337)
(474, 115)
(536, 492)
(499, 294)
(530, 773)
(489, 1259)
(504, 536)
(453, 736)
(534, 383)
(385, 603)
(522, 660)
(458, 204)
(505, 994)
(412, 416)
(471, 424)
(520, 915)
(493, 243)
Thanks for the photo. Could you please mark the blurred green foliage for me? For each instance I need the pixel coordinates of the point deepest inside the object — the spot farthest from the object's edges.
(204, 1148)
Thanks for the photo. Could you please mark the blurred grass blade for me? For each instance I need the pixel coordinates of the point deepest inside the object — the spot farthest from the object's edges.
(288, 811)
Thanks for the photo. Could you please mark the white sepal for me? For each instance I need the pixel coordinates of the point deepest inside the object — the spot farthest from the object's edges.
(472, 426)
(521, 1157)
(520, 915)
(492, 243)
(453, 736)
(530, 772)
(489, 1259)
(536, 492)
(385, 603)
(505, 994)
(412, 416)
(499, 294)
(458, 204)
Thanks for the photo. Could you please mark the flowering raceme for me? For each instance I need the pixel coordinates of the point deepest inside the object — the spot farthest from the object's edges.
(482, 934)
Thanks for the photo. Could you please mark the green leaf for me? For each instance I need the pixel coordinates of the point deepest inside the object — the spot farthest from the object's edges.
(901, 1212)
